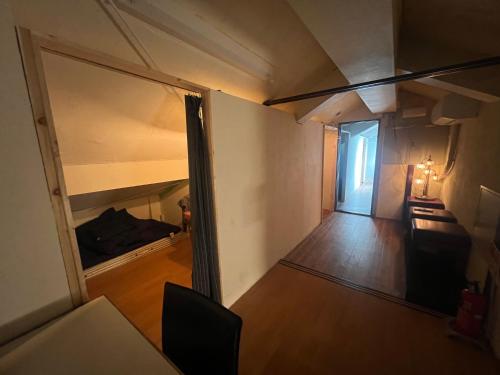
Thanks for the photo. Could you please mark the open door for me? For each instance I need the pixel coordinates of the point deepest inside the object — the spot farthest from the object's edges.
(357, 154)
(342, 164)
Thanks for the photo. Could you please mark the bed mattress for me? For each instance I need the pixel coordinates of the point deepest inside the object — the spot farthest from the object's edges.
(115, 233)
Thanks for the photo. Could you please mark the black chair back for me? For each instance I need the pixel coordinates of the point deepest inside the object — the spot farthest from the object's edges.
(199, 335)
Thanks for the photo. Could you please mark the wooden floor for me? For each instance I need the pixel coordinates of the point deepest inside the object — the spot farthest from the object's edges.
(297, 323)
(136, 288)
(360, 249)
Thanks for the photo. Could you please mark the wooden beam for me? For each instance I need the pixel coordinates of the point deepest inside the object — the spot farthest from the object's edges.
(123, 27)
(461, 90)
(193, 30)
(429, 73)
(44, 124)
(68, 49)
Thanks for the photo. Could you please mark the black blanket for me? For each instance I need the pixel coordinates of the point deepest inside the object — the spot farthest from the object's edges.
(115, 233)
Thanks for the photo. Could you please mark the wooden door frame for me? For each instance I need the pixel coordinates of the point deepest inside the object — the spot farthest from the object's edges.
(376, 175)
(31, 46)
(327, 128)
(337, 169)
(323, 135)
(378, 163)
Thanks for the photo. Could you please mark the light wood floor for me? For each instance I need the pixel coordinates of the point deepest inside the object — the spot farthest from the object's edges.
(297, 323)
(363, 250)
(136, 288)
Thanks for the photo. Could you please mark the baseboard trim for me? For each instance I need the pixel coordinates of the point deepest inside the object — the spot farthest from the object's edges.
(133, 255)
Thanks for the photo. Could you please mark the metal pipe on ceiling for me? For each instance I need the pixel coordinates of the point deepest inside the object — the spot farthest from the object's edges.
(429, 73)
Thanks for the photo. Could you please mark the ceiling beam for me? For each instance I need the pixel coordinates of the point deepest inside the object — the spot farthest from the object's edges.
(457, 89)
(359, 38)
(331, 110)
(193, 30)
(116, 18)
(429, 73)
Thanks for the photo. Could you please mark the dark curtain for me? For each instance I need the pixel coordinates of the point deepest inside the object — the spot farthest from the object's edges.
(205, 261)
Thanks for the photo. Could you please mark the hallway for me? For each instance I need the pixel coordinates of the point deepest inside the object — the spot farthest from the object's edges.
(359, 201)
(362, 250)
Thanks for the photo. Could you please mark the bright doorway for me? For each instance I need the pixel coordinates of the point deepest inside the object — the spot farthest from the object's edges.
(356, 166)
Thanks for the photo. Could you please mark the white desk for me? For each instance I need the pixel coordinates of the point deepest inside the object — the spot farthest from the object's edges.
(93, 339)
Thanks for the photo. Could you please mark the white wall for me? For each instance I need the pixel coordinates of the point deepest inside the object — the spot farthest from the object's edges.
(33, 283)
(141, 208)
(353, 173)
(267, 171)
(170, 210)
(371, 153)
(114, 130)
(477, 163)
(81, 179)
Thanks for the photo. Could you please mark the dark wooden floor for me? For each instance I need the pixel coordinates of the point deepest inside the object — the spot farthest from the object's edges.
(297, 323)
(366, 251)
(136, 288)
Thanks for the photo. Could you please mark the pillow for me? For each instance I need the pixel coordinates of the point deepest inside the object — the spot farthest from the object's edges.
(115, 225)
(124, 216)
(108, 214)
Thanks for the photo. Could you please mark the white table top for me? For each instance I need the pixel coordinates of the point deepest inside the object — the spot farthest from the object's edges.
(93, 339)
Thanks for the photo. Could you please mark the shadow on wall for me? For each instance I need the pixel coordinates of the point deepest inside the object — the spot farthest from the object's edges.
(478, 159)
(267, 187)
(293, 172)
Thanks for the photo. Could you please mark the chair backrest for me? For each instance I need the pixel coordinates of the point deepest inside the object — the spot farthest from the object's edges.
(199, 335)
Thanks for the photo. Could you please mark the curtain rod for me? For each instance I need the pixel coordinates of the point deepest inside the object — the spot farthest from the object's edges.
(429, 73)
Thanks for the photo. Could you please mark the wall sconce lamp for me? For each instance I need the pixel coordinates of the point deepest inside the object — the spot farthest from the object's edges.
(427, 173)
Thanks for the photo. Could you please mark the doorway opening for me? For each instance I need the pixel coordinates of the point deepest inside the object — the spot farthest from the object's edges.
(356, 166)
(114, 142)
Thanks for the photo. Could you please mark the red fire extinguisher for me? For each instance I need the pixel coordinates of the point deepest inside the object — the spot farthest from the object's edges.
(471, 312)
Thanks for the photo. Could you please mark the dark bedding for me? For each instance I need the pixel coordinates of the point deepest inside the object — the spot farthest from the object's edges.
(115, 233)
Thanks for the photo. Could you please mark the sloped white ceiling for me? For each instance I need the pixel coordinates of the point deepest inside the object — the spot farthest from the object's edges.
(359, 37)
(100, 199)
(269, 29)
(108, 117)
(79, 21)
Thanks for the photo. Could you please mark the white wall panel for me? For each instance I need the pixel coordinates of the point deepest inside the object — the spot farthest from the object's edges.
(267, 171)
(33, 283)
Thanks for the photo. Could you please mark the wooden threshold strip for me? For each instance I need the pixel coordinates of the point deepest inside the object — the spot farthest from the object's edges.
(363, 289)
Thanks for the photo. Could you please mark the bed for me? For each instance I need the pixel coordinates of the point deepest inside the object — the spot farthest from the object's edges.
(115, 233)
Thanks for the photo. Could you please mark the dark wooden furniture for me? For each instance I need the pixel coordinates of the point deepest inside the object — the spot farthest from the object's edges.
(436, 259)
(199, 335)
(413, 201)
(435, 214)
(431, 203)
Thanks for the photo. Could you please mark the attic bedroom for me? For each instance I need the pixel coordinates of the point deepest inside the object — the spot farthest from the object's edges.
(123, 149)
(203, 183)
